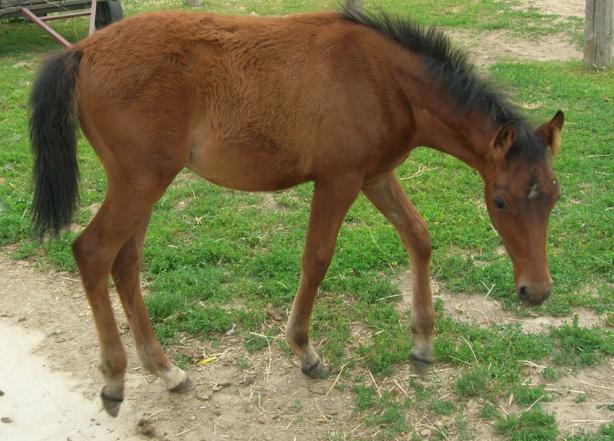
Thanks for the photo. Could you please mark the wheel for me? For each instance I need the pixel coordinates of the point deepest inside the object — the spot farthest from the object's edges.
(107, 12)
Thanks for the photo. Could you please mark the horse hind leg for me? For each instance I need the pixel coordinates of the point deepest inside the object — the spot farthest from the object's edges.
(91, 263)
(125, 273)
(127, 206)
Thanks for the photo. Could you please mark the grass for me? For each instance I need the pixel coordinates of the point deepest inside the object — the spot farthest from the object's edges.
(215, 257)
(533, 425)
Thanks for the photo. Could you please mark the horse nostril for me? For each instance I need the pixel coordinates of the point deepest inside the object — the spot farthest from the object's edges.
(523, 293)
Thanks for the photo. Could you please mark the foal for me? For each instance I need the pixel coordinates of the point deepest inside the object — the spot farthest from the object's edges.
(263, 104)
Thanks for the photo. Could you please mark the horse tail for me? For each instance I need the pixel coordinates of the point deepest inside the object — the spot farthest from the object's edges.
(53, 126)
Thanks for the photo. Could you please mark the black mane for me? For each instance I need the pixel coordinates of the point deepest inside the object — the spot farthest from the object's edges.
(455, 74)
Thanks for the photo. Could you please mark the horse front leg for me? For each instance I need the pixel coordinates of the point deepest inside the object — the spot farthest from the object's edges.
(331, 201)
(386, 193)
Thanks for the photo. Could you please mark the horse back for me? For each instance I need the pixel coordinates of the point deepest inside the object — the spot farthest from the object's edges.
(301, 95)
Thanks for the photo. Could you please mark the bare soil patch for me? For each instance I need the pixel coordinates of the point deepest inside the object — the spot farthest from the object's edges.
(584, 400)
(564, 8)
(269, 203)
(39, 404)
(487, 48)
(268, 400)
(483, 311)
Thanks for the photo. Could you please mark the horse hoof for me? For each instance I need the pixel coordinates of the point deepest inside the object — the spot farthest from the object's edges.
(111, 404)
(421, 365)
(183, 386)
(317, 370)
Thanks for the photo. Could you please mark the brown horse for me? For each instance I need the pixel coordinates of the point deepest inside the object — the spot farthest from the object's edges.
(262, 104)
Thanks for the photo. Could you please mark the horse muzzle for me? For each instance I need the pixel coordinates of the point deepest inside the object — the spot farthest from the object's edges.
(534, 293)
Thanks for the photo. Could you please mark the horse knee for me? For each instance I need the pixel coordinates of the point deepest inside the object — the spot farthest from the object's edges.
(420, 241)
(315, 265)
(423, 246)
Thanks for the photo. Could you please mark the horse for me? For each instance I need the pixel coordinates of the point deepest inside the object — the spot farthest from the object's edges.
(338, 98)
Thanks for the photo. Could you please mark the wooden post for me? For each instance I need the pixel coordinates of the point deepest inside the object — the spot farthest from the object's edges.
(598, 33)
(357, 5)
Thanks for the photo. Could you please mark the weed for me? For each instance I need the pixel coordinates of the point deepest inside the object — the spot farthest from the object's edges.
(529, 395)
(579, 346)
(473, 383)
(533, 425)
(244, 363)
(489, 410)
(442, 407)
(254, 342)
(336, 436)
(182, 360)
(365, 397)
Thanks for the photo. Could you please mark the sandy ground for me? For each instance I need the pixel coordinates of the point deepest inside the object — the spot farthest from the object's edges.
(44, 405)
(482, 311)
(47, 334)
(564, 8)
(486, 48)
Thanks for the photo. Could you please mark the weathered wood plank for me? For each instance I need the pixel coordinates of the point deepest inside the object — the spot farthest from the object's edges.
(598, 33)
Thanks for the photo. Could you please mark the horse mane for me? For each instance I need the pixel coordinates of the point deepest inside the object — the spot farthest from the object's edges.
(456, 75)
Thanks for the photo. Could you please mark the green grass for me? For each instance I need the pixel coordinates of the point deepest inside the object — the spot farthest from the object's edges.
(215, 257)
(526, 396)
(533, 425)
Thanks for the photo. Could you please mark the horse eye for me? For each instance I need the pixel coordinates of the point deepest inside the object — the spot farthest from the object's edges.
(499, 203)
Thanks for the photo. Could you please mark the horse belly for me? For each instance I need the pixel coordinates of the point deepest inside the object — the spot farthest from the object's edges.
(248, 167)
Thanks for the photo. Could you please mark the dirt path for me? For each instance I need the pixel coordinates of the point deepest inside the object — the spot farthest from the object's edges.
(43, 404)
(51, 376)
(564, 8)
(486, 48)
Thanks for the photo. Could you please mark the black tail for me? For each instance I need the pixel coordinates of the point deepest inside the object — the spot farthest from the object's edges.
(53, 126)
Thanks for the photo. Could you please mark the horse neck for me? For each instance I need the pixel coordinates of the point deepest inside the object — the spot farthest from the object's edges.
(466, 136)
(443, 125)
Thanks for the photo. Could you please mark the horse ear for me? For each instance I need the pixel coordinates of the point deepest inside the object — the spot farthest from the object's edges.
(550, 132)
(503, 141)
